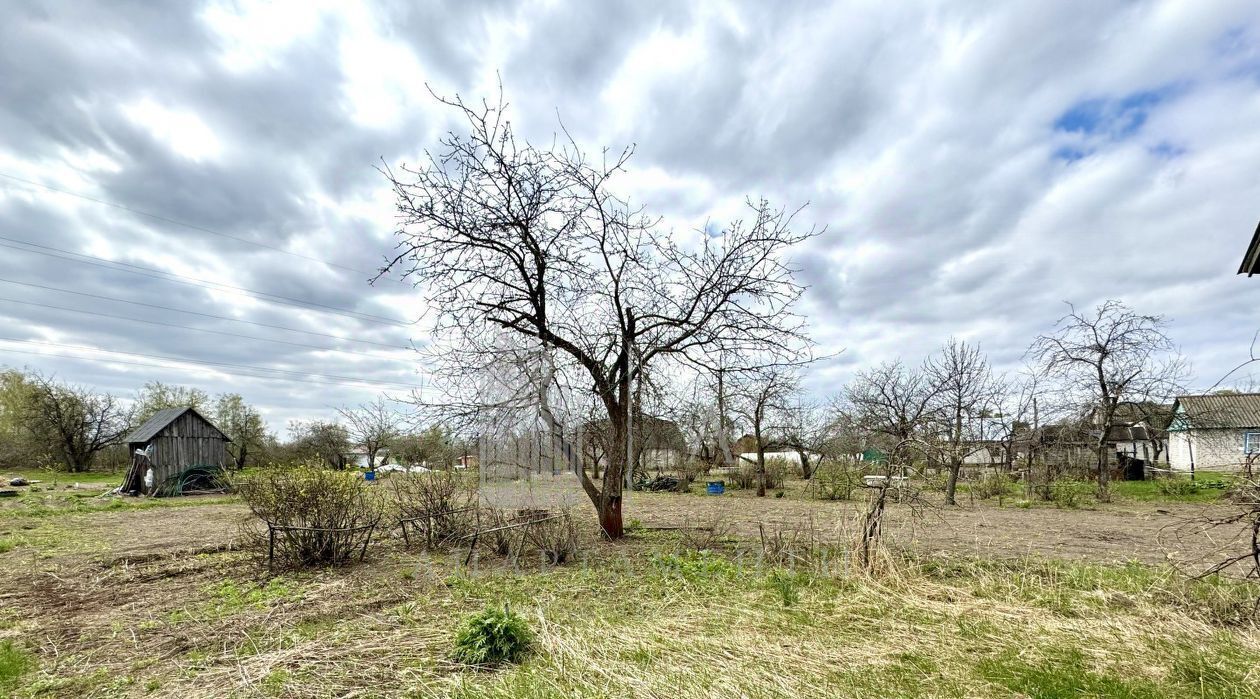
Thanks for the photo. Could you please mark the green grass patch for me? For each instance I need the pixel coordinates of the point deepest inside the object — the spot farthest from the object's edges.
(1207, 487)
(14, 663)
(1063, 674)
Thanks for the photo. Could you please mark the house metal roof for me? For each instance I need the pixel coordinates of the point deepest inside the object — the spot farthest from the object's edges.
(1251, 261)
(160, 420)
(1220, 411)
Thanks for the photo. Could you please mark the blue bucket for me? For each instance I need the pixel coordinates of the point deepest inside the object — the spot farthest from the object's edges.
(717, 487)
(369, 475)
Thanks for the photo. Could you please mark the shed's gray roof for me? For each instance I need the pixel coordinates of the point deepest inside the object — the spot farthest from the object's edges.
(160, 420)
(1226, 410)
(1251, 260)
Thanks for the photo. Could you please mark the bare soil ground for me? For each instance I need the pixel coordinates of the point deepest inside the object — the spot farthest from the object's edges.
(157, 602)
(1138, 531)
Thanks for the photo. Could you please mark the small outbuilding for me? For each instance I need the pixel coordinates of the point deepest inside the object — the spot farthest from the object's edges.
(175, 451)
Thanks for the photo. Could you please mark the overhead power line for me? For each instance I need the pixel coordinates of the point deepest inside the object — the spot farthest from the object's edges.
(205, 362)
(191, 226)
(199, 313)
(189, 327)
(167, 366)
(129, 268)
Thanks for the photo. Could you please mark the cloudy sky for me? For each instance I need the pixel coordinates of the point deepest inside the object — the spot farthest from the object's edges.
(196, 182)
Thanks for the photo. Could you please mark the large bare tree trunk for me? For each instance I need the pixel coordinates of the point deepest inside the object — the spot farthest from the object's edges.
(608, 501)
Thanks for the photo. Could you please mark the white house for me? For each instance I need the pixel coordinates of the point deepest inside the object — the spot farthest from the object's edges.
(1218, 432)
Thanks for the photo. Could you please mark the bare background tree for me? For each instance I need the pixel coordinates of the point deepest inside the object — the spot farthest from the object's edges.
(74, 422)
(504, 237)
(1109, 357)
(763, 397)
(893, 401)
(810, 431)
(320, 440)
(964, 395)
(372, 427)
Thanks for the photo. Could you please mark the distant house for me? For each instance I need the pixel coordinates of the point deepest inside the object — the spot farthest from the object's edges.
(746, 451)
(174, 451)
(359, 459)
(1251, 260)
(1217, 432)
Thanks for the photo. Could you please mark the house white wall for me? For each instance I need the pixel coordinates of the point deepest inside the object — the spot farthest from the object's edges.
(1212, 450)
(789, 456)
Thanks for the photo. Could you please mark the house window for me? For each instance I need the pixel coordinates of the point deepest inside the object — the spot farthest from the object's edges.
(1251, 442)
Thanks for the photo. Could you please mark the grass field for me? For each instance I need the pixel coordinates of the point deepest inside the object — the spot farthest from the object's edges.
(150, 599)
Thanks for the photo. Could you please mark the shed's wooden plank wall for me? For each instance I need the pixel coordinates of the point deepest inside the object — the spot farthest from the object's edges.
(188, 441)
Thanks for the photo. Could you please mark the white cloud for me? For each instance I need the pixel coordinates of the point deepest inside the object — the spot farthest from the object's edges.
(923, 135)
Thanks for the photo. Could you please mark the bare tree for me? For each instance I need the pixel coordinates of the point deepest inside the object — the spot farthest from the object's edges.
(76, 422)
(504, 237)
(761, 397)
(1108, 357)
(965, 395)
(372, 427)
(809, 431)
(893, 401)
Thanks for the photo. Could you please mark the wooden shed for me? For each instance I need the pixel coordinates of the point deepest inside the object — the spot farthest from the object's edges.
(176, 450)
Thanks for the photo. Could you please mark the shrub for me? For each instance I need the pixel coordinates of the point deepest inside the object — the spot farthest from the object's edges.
(707, 535)
(991, 485)
(437, 505)
(497, 539)
(835, 481)
(493, 636)
(745, 476)
(556, 539)
(320, 517)
(1069, 494)
(1176, 487)
(689, 472)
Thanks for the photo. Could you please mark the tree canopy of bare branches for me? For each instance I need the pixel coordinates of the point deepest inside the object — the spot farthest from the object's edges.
(893, 401)
(75, 422)
(762, 400)
(965, 394)
(1110, 356)
(372, 427)
(507, 238)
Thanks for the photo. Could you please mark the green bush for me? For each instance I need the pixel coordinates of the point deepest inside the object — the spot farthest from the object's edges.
(493, 636)
(1070, 494)
(1176, 487)
(991, 485)
(834, 480)
(321, 517)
